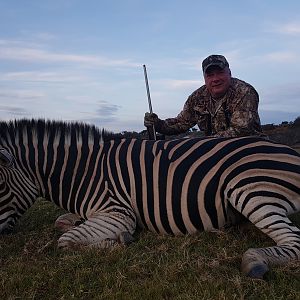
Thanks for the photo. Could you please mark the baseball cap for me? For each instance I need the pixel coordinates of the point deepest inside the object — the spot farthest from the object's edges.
(214, 60)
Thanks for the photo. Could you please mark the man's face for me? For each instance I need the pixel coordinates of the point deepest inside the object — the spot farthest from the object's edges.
(217, 80)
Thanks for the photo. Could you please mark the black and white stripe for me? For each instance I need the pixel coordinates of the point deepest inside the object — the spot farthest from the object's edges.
(169, 187)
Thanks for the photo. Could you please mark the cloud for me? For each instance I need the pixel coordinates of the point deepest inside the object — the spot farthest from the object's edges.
(284, 98)
(183, 84)
(80, 99)
(11, 95)
(18, 51)
(13, 110)
(104, 114)
(289, 90)
(282, 56)
(102, 122)
(40, 76)
(237, 54)
(276, 117)
(116, 124)
(16, 103)
(106, 109)
(43, 36)
(291, 28)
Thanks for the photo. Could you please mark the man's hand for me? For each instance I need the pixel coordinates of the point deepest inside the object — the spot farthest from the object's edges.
(151, 119)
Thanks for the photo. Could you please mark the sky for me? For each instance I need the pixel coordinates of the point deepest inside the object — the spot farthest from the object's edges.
(82, 60)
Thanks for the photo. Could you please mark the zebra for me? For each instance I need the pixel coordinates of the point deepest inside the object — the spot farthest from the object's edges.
(109, 186)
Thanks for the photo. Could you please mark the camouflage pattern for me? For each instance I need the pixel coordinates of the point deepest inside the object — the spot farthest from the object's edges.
(214, 60)
(236, 114)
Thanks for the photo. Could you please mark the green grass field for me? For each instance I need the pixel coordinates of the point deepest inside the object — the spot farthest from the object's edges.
(205, 266)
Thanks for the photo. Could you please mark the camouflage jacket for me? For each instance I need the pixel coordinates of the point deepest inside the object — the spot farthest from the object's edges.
(236, 114)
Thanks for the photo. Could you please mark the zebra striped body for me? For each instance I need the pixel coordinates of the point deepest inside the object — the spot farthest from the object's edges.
(169, 187)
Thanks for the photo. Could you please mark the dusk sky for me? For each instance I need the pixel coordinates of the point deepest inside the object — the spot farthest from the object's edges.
(82, 60)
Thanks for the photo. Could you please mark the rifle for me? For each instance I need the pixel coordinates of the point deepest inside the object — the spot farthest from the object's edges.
(150, 129)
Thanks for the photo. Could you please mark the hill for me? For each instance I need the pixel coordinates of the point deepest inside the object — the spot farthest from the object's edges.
(286, 133)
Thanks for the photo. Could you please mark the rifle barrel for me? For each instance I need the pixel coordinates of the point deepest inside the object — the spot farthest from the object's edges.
(152, 135)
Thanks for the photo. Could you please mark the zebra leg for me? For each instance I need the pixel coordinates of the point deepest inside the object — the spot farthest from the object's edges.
(255, 262)
(67, 221)
(101, 230)
(271, 218)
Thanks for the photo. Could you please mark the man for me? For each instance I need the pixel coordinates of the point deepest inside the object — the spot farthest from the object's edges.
(223, 107)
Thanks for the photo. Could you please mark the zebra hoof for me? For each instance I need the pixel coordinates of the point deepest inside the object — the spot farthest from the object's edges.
(253, 265)
(256, 271)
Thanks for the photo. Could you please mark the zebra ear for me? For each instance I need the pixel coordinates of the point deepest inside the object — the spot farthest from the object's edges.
(6, 159)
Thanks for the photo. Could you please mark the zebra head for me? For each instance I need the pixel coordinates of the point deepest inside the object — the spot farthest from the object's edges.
(17, 192)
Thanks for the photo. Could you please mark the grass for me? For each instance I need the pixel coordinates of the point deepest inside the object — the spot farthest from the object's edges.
(204, 266)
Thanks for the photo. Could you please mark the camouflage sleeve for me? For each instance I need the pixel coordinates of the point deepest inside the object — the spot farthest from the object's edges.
(182, 123)
(244, 119)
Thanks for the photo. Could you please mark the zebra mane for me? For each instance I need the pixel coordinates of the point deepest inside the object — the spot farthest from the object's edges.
(40, 127)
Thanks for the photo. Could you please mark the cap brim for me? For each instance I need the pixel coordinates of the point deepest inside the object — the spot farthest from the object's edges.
(220, 65)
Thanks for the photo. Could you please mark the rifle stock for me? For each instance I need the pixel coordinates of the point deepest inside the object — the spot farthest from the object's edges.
(151, 133)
